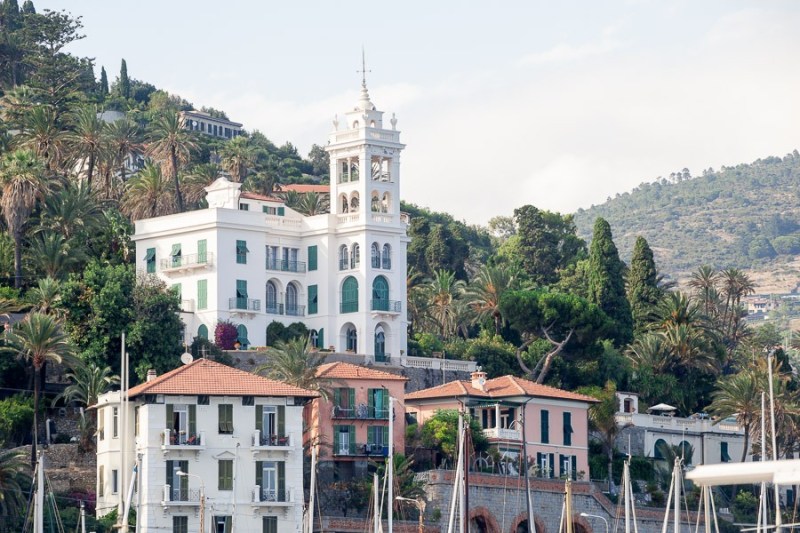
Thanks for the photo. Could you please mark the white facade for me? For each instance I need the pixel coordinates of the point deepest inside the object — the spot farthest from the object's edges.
(248, 472)
(250, 259)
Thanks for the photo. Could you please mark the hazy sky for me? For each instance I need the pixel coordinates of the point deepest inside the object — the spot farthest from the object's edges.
(556, 104)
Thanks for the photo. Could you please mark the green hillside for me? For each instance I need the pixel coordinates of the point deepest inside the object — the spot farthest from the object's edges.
(747, 216)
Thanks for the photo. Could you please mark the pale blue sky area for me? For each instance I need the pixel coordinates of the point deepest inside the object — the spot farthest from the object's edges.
(558, 104)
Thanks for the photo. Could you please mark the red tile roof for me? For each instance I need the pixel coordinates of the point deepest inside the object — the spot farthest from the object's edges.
(247, 195)
(203, 376)
(306, 187)
(340, 370)
(502, 387)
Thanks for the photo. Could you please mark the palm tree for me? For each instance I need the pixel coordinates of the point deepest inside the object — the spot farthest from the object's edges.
(739, 395)
(313, 203)
(263, 182)
(196, 181)
(650, 351)
(38, 338)
(42, 134)
(704, 282)
(443, 290)
(22, 185)
(122, 139)
(55, 256)
(238, 156)
(73, 211)
(294, 362)
(46, 296)
(87, 138)
(148, 195)
(603, 421)
(485, 291)
(171, 144)
(89, 381)
(14, 475)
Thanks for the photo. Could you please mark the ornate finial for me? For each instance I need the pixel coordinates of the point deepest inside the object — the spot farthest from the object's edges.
(336, 122)
(394, 122)
(364, 102)
(363, 70)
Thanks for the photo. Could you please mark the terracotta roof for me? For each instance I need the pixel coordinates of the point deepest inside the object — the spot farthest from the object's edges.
(306, 187)
(203, 376)
(263, 197)
(502, 387)
(340, 370)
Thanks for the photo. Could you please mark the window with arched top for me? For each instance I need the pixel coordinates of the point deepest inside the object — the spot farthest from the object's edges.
(387, 256)
(355, 124)
(371, 123)
(345, 204)
(349, 300)
(354, 202)
(375, 253)
(272, 298)
(355, 256)
(291, 300)
(385, 202)
(659, 448)
(344, 257)
(380, 294)
(352, 339)
(202, 332)
(375, 204)
(380, 343)
(241, 337)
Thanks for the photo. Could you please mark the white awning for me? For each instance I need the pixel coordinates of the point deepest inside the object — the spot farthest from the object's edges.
(785, 472)
(663, 407)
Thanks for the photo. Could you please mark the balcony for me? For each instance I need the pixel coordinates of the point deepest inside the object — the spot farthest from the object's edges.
(188, 262)
(349, 307)
(180, 496)
(286, 266)
(276, 497)
(503, 434)
(296, 310)
(385, 306)
(264, 442)
(172, 440)
(359, 412)
(361, 450)
(187, 306)
(244, 304)
(273, 308)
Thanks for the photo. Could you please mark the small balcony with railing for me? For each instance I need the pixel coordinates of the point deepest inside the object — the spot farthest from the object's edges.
(359, 412)
(264, 496)
(180, 496)
(361, 450)
(283, 265)
(172, 440)
(263, 441)
(506, 434)
(187, 263)
(240, 303)
(381, 305)
(273, 308)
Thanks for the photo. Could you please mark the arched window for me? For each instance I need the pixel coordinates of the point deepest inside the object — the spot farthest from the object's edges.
(241, 337)
(686, 452)
(375, 204)
(380, 294)
(385, 202)
(345, 205)
(354, 203)
(387, 256)
(291, 300)
(272, 298)
(376, 255)
(659, 448)
(352, 339)
(202, 332)
(380, 343)
(349, 295)
(355, 256)
(344, 257)
(313, 338)
(355, 124)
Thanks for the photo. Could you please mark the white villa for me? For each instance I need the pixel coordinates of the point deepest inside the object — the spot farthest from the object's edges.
(250, 259)
(214, 446)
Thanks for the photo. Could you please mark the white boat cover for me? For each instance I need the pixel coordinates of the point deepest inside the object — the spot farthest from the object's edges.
(786, 472)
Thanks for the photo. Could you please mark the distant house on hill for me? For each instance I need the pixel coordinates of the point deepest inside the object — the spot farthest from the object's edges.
(204, 123)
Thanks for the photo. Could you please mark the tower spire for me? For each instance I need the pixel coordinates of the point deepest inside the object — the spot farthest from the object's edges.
(364, 101)
(363, 70)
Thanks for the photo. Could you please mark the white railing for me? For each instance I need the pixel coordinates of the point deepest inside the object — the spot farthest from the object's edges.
(347, 136)
(271, 496)
(381, 218)
(171, 438)
(271, 441)
(187, 306)
(383, 136)
(276, 221)
(438, 364)
(349, 218)
(503, 433)
(677, 423)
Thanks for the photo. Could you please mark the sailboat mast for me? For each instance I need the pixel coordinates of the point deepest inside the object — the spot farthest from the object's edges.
(376, 513)
(676, 473)
(774, 444)
(390, 458)
(626, 493)
(313, 487)
(38, 525)
(762, 500)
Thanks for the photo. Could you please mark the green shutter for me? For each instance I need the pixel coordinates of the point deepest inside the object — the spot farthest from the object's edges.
(312, 257)
(352, 397)
(312, 299)
(169, 473)
(202, 251)
(352, 434)
(281, 211)
(150, 259)
(321, 337)
(567, 429)
(259, 419)
(202, 293)
(176, 290)
(545, 426)
(220, 475)
(184, 480)
(386, 436)
(228, 524)
(170, 417)
(281, 480)
(552, 461)
(574, 460)
(241, 288)
(371, 403)
(202, 331)
(337, 397)
(336, 431)
(281, 420)
(241, 252)
(259, 473)
(192, 421)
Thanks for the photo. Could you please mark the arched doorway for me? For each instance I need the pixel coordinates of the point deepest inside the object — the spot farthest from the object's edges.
(481, 520)
(380, 343)
(291, 300)
(202, 331)
(349, 301)
(380, 294)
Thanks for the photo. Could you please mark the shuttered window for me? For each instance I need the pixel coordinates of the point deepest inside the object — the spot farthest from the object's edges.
(150, 260)
(241, 252)
(312, 257)
(269, 524)
(545, 426)
(225, 474)
(202, 293)
(567, 429)
(225, 418)
(312, 299)
(202, 251)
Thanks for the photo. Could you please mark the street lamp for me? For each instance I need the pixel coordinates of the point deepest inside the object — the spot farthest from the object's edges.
(420, 505)
(202, 498)
(587, 515)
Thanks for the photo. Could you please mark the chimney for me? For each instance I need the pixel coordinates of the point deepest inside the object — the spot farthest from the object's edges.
(478, 379)
(151, 374)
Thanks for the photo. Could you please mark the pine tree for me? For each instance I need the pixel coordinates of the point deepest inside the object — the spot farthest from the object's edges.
(124, 82)
(103, 82)
(643, 290)
(607, 282)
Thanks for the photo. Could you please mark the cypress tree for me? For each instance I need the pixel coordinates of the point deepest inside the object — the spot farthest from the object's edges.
(103, 82)
(124, 82)
(643, 291)
(606, 275)
(27, 8)
(10, 18)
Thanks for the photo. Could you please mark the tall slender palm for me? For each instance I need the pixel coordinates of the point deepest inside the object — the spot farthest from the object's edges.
(486, 289)
(41, 133)
(735, 285)
(294, 362)
(22, 184)
(238, 156)
(704, 282)
(739, 395)
(88, 382)
(14, 475)
(171, 144)
(38, 339)
(86, 140)
(148, 195)
(443, 290)
(122, 139)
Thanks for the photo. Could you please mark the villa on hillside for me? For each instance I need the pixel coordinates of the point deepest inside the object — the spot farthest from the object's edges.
(206, 124)
(554, 421)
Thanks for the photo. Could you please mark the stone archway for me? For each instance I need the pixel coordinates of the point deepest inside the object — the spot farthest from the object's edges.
(520, 524)
(481, 520)
(580, 524)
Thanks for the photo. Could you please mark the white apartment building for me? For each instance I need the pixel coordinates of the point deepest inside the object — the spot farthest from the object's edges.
(202, 122)
(250, 259)
(207, 437)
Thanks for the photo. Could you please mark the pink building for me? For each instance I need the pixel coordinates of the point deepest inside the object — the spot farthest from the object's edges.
(352, 425)
(555, 421)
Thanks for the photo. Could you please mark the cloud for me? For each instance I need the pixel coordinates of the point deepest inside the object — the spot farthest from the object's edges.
(565, 52)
